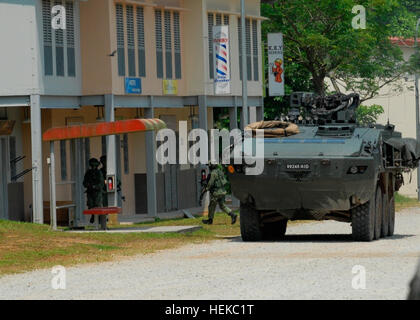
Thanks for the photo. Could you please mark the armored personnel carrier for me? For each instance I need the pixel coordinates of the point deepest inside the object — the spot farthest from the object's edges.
(320, 164)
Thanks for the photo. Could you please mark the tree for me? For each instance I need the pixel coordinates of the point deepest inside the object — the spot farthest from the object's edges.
(319, 38)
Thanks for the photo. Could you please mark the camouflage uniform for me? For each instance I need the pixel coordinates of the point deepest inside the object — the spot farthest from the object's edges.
(93, 182)
(216, 186)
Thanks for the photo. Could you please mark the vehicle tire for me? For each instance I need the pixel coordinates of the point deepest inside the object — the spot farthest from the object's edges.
(363, 221)
(385, 216)
(274, 230)
(378, 213)
(391, 215)
(250, 223)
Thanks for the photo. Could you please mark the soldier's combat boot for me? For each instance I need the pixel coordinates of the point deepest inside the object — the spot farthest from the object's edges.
(234, 216)
(208, 221)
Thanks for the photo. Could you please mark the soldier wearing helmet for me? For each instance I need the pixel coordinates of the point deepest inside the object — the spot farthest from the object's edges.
(93, 182)
(216, 186)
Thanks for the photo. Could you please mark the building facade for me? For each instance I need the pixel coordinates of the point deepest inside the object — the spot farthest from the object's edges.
(114, 60)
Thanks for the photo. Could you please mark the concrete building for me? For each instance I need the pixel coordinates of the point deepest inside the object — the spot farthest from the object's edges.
(114, 60)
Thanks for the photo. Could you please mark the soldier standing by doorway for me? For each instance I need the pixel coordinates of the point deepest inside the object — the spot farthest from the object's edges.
(216, 186)
(94, 182)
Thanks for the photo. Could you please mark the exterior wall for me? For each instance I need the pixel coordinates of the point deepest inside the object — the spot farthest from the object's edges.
(96, 46)
(19, 49)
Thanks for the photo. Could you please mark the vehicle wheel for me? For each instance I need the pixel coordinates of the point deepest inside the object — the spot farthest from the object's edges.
(391, 215)
(378, 213)
(385, 216)
(363, 221)
(274, 230)
(250, 223)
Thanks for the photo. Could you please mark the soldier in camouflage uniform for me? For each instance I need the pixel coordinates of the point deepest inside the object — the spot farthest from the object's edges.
(93, 182)
(216, 186)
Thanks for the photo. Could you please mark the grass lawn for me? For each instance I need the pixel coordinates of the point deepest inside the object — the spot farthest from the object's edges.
(403, 202)
(25, 246)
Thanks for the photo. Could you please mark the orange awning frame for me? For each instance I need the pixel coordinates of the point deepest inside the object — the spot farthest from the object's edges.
(102, 129)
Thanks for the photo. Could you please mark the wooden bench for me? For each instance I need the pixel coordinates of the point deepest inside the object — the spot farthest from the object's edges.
(102, 211)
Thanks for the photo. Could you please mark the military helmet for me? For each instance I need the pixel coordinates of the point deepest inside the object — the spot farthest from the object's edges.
(93, 162)
(212, 165)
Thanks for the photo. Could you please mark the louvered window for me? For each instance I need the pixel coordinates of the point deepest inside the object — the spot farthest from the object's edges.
(120, 39)
(159, 44)
(168, 45)
(248, 48)
(255, 49)
(71, 57)
(211, 57)
(140, 42)
(59, 44)
(177, 46)
(59, 49)
(130, 42)
(240, 47)
(47, 36)
(251, 43)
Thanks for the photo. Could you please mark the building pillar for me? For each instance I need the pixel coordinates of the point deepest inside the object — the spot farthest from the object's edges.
(36, 143)
(111, 151)
(4, 209)
(233, 124)
(260, 113)
(252, 114)
(151, 165)
(202, 113)
(233, 116)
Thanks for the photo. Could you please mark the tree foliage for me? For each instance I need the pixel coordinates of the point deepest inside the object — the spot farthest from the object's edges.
(321, 43)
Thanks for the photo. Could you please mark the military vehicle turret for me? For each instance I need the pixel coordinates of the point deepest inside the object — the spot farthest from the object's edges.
(331, 168)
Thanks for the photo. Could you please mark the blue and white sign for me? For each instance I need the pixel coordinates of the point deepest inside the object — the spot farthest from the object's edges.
(133, 85)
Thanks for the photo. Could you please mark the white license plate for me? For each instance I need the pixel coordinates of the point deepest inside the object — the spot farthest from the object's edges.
(298, 166)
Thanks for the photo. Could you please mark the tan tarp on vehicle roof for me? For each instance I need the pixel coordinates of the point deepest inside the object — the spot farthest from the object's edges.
(274, 128)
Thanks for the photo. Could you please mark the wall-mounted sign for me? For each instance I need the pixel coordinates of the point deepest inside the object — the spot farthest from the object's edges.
(133, 85)
(170, 87)
(221, 47)
(275, 64)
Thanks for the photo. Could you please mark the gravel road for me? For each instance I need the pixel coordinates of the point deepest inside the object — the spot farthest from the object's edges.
(314, 262)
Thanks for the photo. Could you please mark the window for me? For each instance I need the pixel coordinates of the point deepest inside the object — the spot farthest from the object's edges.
(58, 43)
(130, 24)
(251, 43)
(140, 42)
(168, 45)
(47, 35)
(171, 31)
(214, 20)
(120, 39)
(71, 59)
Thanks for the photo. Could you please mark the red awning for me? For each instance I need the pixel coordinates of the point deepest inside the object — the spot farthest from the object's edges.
(103, 129)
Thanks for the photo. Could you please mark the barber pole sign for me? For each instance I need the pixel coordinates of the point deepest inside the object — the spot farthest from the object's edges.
(275, 64)
(222, 59)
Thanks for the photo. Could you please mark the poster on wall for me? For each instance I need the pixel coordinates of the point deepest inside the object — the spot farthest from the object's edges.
(170, 87)
(275, 65)
(221, 59)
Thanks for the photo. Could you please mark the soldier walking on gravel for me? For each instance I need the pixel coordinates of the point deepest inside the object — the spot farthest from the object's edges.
(216, 186)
